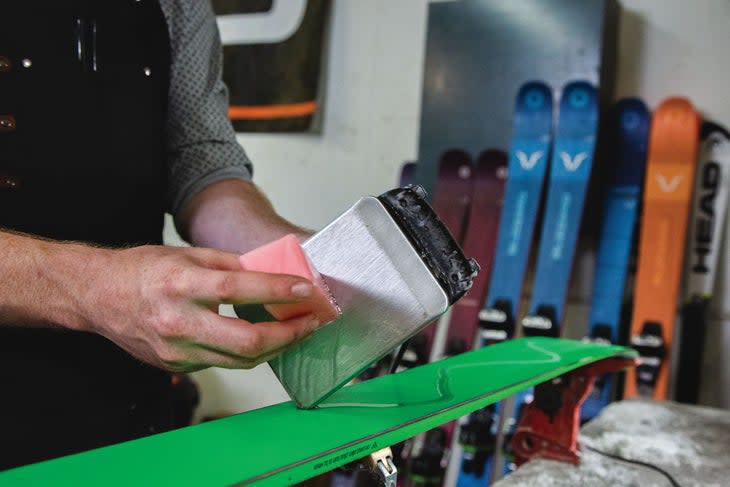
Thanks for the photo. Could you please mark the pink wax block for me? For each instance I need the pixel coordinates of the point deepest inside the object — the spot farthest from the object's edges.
(286, 256)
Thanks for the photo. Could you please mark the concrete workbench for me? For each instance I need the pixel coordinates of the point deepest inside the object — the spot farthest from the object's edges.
(690, 443)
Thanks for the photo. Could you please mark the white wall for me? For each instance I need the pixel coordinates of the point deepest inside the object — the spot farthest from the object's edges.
(371, 115)
(375, 59)
(676, 47)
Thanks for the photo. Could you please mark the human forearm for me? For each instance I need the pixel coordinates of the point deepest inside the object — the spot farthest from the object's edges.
(158, 303)
(42, 281)
(233, 215)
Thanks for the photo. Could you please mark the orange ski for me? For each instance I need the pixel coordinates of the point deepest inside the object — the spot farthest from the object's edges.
(667, 193)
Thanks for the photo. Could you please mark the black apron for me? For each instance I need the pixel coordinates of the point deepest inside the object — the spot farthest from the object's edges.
(83, 102)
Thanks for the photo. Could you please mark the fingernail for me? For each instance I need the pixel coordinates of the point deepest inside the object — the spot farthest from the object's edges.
(302, 289)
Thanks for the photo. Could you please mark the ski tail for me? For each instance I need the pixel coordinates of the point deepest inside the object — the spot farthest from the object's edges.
(709, 214)
(671, 161)
(629, 125)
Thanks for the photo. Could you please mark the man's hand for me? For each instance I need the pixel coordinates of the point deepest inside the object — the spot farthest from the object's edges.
(161, 305)
(158, 303)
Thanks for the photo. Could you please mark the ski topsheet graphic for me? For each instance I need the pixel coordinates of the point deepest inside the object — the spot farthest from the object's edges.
(709, 215)
(629, 139)
(570, 170)
(528, 160)
(667, 191)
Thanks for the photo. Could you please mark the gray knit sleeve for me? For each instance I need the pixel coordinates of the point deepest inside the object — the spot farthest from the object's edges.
(201, 143)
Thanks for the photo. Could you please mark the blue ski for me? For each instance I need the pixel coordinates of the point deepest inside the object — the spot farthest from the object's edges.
(630, 127)
(570, 171)
(528, 160)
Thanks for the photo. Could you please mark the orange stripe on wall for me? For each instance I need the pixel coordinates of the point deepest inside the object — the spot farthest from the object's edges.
(268, 112)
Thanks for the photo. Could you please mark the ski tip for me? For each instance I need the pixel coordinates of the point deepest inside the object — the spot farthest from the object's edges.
(709, 128)
(534, 96)
(681, 103)
(579, 95)
(677, 110)
(578, 115)
(533, 115)
(491, 161)
(636, 107)
(630, 121)
(455, 163)
(408, 174)
(675, 131)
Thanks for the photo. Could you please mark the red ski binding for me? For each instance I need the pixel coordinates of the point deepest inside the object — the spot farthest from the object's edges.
(549, 425)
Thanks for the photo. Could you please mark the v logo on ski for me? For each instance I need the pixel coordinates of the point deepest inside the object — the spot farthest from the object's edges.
(668, 186)
(528, 162)
(572, 164)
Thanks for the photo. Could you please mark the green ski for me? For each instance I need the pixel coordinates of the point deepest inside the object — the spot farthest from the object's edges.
(282, 444)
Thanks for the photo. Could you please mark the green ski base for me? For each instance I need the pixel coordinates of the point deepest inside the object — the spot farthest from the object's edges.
(281, 444)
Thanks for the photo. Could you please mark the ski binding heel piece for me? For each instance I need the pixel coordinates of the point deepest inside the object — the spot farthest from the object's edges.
(652, 350)
(549, 425)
